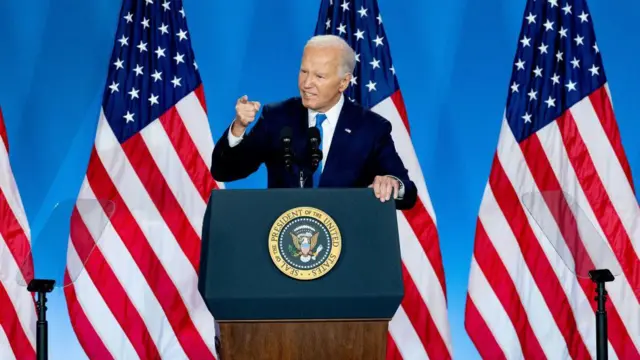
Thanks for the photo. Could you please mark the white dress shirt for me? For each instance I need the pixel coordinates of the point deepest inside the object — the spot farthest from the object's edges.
(328, 129)
(328, 126)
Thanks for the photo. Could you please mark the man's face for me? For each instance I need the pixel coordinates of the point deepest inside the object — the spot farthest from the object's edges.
(318, 81)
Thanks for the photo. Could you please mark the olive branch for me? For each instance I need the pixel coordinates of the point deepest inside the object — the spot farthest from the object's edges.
(292, 251)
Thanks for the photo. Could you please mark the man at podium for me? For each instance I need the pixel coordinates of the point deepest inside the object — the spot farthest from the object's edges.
(352, 146)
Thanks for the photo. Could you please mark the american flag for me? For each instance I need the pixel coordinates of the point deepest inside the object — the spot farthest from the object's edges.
(17, 310)
(420, 327)
(137, 297)
(558, 136)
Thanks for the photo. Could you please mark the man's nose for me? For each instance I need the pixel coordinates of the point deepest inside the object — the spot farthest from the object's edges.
(307, 82)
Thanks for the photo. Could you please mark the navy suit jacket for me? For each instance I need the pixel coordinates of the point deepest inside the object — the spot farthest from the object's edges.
(355, 157)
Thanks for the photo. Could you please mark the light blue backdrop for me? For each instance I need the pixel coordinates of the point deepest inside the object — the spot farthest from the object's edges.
(453, 61)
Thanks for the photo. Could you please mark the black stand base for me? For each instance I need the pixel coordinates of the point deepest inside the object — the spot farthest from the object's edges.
(600, 277)
(42, 287)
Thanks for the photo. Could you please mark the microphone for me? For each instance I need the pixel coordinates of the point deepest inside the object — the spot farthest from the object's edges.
(314, 141)
(285, 138)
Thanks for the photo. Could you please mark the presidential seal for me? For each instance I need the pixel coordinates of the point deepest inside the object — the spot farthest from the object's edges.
(305, 243)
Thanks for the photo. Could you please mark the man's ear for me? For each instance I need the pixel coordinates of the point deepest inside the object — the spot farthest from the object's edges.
(344, 83)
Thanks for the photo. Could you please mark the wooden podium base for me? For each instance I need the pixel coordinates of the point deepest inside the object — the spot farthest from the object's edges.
(324, 340)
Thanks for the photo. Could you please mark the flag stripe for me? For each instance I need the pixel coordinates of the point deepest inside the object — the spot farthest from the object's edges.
(192, 113)
(425, 232)
(155, 184)
(507, 245)
(128, 229)
(417, 303)
(546, 180)
(502, 285)
(111, 289)
(626, 306)
(91, 304)
(398, 103)
(560, 142)
(621, 198)
(417, 241)
(174, 193)
(199, 92)
(406, 151)
(601, 101)
(185, 148)
(15, 240)
(12, 197)
(539, 167)
(143, 299)
(421, 319)
(11, 323)
(392, 349)
(186, 194)
(481, 335)
(14, 228)
(149, 226)
(139, 303)
(526, 179)
(492, 316)
(4, 139)
(610, 223)
(151, 158)
(405, 337)
(17, 309)
(541, 270)
(5, 347)
(4, 142)
(599, 197)
(91, 341)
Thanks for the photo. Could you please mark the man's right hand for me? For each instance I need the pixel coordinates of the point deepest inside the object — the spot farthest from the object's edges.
(245, 114)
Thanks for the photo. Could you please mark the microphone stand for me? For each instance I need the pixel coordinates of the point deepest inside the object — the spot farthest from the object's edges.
(42, 287)
(600, 277)
(289, 156)
(287, 150)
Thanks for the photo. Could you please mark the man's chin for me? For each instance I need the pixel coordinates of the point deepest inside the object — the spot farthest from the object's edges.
(309, 103)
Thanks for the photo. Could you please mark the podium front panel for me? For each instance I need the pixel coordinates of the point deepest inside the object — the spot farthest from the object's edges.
(240, 281)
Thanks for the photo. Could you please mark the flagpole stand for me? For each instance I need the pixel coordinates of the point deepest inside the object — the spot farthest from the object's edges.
(600, 277)
(42, 287)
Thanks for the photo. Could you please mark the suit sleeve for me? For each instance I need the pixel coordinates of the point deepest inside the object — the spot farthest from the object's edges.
(389, 163)
(237, 162)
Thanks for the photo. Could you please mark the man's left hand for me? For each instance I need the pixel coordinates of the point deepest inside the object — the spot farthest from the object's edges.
(384, 187)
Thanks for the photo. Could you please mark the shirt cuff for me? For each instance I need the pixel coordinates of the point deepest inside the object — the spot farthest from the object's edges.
(234, 140)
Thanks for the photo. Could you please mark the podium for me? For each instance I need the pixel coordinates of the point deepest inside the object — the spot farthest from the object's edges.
(301, 273)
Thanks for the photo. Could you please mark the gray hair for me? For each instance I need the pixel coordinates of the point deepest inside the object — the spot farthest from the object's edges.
(348, 63)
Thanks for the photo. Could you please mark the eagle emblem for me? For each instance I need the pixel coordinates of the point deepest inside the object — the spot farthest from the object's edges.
(304, 243)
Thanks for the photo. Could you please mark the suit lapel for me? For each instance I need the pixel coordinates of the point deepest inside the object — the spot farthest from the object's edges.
(339, 141)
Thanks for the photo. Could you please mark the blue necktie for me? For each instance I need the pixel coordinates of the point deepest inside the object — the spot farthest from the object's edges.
(320, 118)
